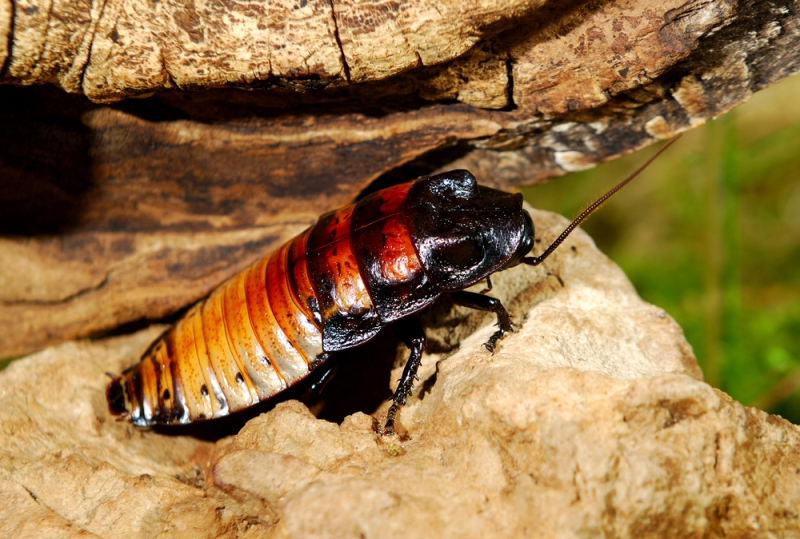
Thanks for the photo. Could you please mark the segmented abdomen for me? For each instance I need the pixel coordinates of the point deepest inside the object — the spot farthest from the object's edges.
(330, 288)
(249, 340)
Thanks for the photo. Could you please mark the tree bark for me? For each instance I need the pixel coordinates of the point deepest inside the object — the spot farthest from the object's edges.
(115, 210)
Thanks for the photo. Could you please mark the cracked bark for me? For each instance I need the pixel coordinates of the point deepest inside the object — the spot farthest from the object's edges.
(515, 91)
(339, 43)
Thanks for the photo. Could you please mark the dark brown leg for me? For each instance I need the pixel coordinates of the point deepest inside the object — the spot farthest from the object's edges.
(323, 374)
(410, 331)
(486, 303)
(319, 384)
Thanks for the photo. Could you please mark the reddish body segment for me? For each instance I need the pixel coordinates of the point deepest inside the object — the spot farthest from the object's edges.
(263, 330)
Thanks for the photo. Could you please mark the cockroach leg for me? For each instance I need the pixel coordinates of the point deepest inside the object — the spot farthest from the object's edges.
(319, 384)
(486, 303)
(410, 331)
(319, 377)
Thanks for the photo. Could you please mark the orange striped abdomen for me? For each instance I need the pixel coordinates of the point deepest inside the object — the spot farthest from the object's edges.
(249, 340)
(331, 288)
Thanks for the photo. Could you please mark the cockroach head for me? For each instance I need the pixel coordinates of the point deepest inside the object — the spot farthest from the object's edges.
(464, 232)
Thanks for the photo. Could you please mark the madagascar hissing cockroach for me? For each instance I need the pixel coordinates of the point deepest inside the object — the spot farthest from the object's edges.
(373, 263)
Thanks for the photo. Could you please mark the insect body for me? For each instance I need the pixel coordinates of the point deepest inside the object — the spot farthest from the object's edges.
(333, 287)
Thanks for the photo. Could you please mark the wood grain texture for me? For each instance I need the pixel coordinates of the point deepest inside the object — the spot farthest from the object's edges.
(111, 214)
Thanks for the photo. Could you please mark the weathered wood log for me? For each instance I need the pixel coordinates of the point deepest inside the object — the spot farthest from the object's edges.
(115, 213)
(118, 49)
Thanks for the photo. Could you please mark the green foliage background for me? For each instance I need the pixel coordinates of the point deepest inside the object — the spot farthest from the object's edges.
(711, 233)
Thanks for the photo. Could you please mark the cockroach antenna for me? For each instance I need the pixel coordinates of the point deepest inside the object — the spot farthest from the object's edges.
(536, 260)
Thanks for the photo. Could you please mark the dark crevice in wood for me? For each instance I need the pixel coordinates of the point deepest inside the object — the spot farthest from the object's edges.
(345, 66)
(45, 161)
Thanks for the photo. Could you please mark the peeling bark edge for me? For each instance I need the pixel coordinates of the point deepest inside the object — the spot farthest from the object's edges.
(650, 113)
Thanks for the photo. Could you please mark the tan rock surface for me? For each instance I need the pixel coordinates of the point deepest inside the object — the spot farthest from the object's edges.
(590, 420)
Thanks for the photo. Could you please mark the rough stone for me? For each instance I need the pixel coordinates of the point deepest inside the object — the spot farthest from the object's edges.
(591, 419)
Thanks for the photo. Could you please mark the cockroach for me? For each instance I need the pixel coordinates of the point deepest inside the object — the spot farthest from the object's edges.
(373, 263)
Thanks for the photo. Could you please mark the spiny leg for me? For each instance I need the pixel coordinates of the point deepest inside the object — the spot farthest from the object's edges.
(410, 331)
(486, 303)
